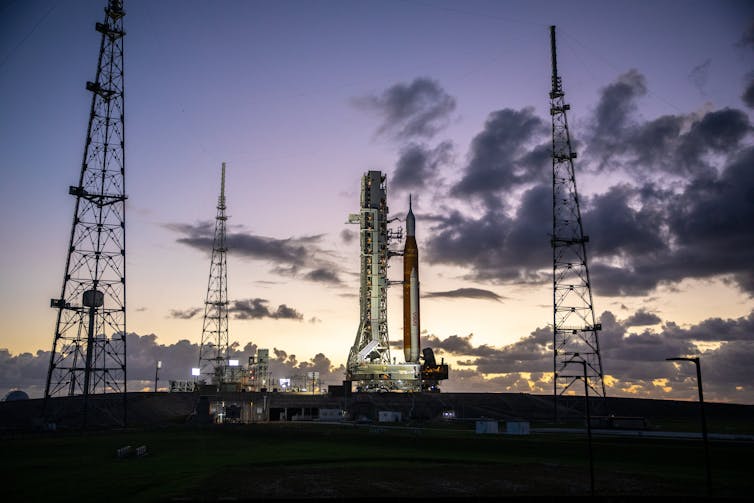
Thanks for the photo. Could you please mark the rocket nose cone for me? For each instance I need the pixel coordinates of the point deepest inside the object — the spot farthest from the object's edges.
(410, 220)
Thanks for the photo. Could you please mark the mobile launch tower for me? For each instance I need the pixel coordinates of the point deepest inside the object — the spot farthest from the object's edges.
(369, 361)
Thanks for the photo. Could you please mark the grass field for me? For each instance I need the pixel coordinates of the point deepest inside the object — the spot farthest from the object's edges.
(295, 460)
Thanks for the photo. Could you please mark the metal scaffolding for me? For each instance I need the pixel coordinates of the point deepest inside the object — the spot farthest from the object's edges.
(89, 345)
(575, 328)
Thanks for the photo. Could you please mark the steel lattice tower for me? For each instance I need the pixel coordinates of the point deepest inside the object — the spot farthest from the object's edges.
(213, 352)
(92, 304)
(574, 325)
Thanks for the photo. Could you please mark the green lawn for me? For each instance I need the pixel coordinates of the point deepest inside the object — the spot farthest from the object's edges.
(298, 460)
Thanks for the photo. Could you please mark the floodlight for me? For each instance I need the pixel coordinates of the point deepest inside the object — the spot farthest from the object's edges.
(196, 372)
(233, 363)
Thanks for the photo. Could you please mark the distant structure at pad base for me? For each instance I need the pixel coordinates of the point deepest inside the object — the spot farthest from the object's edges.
(432, 372)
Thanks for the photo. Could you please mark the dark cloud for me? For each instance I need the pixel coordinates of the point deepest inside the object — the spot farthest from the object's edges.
(715, 330)
(418, 165)
(28, 371)
(347, 235)
(641, 235)
(465, 293)
(323, 275)
(747, 38)
(641, 318)
(634, 362)
(295, 256)
(711, 225)
(285, 312)
(185, 314)
(717, 132)
(416, 110)
(613, 116)
(618, 140)
(246, 309)
(285, 365)
(699, 75)
(617, 228)
(529, 354)
(495, 246)
(653, 143)
(254, 309)
(24, 371)
(455, 345)
(748, 95)
(501, 156)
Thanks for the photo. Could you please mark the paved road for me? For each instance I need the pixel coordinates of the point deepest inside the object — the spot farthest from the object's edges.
(650, 434)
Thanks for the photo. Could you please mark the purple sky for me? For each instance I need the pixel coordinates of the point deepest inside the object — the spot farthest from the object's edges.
(451, 100)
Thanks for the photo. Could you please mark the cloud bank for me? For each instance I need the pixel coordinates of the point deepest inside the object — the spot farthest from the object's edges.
(298, 257)
(633, 360)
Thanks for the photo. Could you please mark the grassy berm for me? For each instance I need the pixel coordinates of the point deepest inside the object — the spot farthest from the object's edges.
(297, 460)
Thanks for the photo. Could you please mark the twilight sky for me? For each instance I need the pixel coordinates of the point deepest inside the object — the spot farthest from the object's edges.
(449, 98)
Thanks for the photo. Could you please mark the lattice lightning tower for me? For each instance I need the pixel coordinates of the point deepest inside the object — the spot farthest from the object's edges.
(574, 325)
(89, 346)
(213, 352)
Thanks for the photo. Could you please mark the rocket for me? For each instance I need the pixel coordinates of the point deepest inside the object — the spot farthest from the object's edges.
(411, 291)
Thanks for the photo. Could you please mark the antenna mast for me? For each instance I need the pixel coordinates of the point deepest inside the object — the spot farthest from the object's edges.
(213, 352)
(89, 345)
(574, 326)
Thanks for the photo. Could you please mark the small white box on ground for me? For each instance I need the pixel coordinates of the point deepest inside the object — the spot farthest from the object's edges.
(330, 414)
(517, 427)
(487, 426)
(389, 416)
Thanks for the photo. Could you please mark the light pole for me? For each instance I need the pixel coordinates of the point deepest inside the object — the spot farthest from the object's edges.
(588, 421)
(695, 360)
(157, 368)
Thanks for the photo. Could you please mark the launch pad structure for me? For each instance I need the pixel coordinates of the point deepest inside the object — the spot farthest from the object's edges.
(370, 365)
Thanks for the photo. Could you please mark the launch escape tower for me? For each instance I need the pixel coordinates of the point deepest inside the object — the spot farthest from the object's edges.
(575, 329)
(213, 351)
(92, 304)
